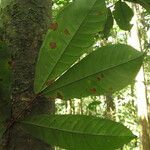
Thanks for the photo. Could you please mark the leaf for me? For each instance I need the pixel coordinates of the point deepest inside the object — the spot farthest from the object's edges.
(68, 38)
(78, 132)
(123, 15)
(108, 25)
(108, 69)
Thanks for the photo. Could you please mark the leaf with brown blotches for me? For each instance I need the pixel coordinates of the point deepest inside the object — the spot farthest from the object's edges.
(73, 30)
(96, 75)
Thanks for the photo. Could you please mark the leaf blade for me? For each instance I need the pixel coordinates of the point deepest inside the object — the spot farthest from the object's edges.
(108, 69)
(123, 15)
(78, 132)
(86, 18)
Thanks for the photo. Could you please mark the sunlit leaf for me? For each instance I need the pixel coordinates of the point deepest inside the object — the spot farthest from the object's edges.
(108, 69)
(78, 132)
(68, 37)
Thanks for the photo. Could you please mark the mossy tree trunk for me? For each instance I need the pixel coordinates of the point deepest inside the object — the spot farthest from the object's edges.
(26, 22)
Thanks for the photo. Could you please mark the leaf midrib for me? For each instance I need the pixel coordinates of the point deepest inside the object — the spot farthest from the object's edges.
(95, 73)
(73, 132)
(69, 43)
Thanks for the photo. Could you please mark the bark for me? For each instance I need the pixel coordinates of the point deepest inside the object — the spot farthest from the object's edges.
(110, 107)
(26, 21)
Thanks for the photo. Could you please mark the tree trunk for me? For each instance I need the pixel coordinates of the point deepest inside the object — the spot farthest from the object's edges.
(110, 107)
(142, 102)
(26, 21)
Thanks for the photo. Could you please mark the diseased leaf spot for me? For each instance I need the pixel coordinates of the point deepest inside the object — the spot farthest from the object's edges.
(49, 82)
(99, 13)
(53, 45)
(59, 95)
(66, 32)
(1, 79)
(54, 26)
(93, 90)
(11, 63)
(98, 78)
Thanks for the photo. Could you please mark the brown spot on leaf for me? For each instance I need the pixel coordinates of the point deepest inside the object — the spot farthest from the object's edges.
(66, 32)
(49, 82)
(11, 63)
(93, 90)
(53, 45)
(99, 13)
(59, 95)
(54, 26)
(98, 78)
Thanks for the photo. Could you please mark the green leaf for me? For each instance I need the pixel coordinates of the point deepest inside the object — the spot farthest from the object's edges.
(123, 15)
(108, 25)
(108, 69)
(68, 38)
(78, 132)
